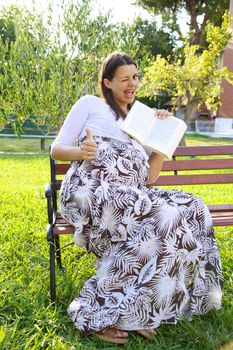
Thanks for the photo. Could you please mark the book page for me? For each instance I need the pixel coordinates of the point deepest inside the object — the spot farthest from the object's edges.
(166, 135)
(139, 121)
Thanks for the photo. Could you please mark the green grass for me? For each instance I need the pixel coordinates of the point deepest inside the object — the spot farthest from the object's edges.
(198, 140)
(29, 321)
(23, 145)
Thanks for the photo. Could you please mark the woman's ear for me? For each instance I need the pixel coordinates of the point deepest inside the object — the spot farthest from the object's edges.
(107, 83)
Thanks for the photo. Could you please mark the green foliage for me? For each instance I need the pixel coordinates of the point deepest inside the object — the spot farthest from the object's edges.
(28, 320)
(157, 101)
(198, 11)
(197, 77)
(50, 65)
(152, 41)
(7, 28)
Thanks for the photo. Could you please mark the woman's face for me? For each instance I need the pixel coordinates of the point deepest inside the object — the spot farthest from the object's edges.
(124, 85)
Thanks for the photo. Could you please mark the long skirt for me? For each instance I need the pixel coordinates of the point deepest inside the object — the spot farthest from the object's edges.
(157, 258)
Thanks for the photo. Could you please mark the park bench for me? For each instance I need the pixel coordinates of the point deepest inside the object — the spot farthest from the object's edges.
(189, 166)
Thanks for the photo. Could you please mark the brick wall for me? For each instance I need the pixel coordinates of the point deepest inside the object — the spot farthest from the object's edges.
(226, 107)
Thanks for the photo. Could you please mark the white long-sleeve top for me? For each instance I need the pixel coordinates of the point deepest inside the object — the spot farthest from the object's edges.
(94, 113)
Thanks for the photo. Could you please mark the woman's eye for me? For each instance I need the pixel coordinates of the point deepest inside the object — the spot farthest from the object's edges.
(135, 77)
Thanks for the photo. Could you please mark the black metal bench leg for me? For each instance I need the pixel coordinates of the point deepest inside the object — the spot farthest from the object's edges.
(50, 238)
(58, 251)
(52, 271)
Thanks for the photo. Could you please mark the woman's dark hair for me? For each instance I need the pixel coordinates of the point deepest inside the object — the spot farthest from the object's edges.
(108, 70)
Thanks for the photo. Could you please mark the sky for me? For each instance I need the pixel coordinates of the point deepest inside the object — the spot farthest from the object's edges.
(122, 10)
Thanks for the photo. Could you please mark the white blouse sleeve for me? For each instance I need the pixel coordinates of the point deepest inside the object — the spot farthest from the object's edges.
(73, 124)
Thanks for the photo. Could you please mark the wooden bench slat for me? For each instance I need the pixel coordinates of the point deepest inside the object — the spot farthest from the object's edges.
(220, 207)
(222, 215)
(198, 164)
(197, 179)
(61, 230)
(218, 221)
(204, 150)
(63, 223)
(61, 169)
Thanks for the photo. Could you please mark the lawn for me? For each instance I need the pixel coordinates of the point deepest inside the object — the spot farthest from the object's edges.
(28, 320)
(23, 145)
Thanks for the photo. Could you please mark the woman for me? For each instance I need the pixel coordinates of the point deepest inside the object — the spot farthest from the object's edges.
(157, 257)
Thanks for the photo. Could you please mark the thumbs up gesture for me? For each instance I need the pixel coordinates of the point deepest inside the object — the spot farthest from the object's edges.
(88, 147)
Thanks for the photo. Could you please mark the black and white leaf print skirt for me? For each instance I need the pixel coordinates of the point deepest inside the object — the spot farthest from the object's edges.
(157, 256)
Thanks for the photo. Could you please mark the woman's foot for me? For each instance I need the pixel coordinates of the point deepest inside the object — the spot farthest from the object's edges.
(113, 335)
(149, 334)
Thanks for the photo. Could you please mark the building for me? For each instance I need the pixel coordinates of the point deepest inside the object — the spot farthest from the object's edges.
(226, 100)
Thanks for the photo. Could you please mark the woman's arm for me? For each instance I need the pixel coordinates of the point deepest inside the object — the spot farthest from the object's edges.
(87, 151)
(62, 147)
(61, 151)
(155, 162)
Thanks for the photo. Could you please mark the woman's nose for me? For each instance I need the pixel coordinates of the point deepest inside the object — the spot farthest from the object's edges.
(132, 82)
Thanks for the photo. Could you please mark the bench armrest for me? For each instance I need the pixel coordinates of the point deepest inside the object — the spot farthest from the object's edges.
(51, 195)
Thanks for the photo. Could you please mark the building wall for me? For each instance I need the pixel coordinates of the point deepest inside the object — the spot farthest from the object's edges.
(226, 99)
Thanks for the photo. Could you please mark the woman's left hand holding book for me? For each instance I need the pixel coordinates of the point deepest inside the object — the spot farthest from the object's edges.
(162, 113)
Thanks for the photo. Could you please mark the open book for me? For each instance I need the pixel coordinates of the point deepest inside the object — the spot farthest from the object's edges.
(160, 136)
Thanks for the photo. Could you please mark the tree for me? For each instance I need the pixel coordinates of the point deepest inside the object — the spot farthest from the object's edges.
(199, 12)
(7, 28)
(50, 65)
(197, 78)
(152, 41)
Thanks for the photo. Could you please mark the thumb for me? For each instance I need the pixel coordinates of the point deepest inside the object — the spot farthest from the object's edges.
(89, 135)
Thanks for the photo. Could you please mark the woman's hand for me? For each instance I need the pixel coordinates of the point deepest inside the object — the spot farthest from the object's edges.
(88, 147)
(162, 113)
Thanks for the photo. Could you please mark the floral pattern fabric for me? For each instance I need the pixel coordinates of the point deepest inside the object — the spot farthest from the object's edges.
(157, 256)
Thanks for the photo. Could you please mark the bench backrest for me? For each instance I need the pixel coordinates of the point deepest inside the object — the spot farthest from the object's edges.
(198, 165)
(189, 165)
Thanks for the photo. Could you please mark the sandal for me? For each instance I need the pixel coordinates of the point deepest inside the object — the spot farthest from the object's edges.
(147, 333)
(115, 337)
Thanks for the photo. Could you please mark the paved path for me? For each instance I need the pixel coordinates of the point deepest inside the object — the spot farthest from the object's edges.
(228, 346)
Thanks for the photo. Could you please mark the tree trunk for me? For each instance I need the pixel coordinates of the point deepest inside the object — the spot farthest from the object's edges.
(181, 115)
(191, 110)
(190, 113)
